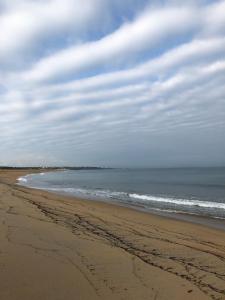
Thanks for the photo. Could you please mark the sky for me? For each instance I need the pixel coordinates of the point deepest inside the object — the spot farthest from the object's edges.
(132, 83)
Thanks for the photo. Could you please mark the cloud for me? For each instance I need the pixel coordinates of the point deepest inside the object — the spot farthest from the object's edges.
(144, 33)
(197, 51)
(87, 83)
(24, 24)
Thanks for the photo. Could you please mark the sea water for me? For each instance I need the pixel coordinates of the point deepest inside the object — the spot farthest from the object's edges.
(195, 191)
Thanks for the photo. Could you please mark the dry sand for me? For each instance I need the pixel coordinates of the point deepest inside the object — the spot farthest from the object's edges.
(56, 247)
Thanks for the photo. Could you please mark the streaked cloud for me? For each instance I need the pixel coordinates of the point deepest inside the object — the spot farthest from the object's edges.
(102, 82)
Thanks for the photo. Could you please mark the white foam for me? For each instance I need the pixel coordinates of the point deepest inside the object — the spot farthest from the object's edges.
(185, 202)
(22, 179)
(91, 192)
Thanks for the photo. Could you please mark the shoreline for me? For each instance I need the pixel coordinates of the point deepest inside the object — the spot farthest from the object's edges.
(210, 222)
(66, 248)
(214, 223)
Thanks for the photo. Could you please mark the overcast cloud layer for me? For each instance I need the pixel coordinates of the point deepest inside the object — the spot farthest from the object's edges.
(112, 83)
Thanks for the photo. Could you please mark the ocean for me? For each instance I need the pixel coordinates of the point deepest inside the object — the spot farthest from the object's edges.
(193, 191)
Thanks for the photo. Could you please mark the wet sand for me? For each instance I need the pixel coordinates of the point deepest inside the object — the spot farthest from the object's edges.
(58, 247)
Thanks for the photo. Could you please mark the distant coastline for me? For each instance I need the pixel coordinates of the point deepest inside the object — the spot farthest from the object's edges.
(52, 168)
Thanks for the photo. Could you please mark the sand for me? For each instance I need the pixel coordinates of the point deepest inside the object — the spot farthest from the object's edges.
(57, 247)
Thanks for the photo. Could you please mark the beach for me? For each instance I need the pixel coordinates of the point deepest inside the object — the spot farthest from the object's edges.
(59, 247)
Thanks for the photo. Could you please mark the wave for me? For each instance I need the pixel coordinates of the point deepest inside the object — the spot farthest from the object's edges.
(183, 202)
(22, 179)
(132, 198)
(93, 192)
(141, 198)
